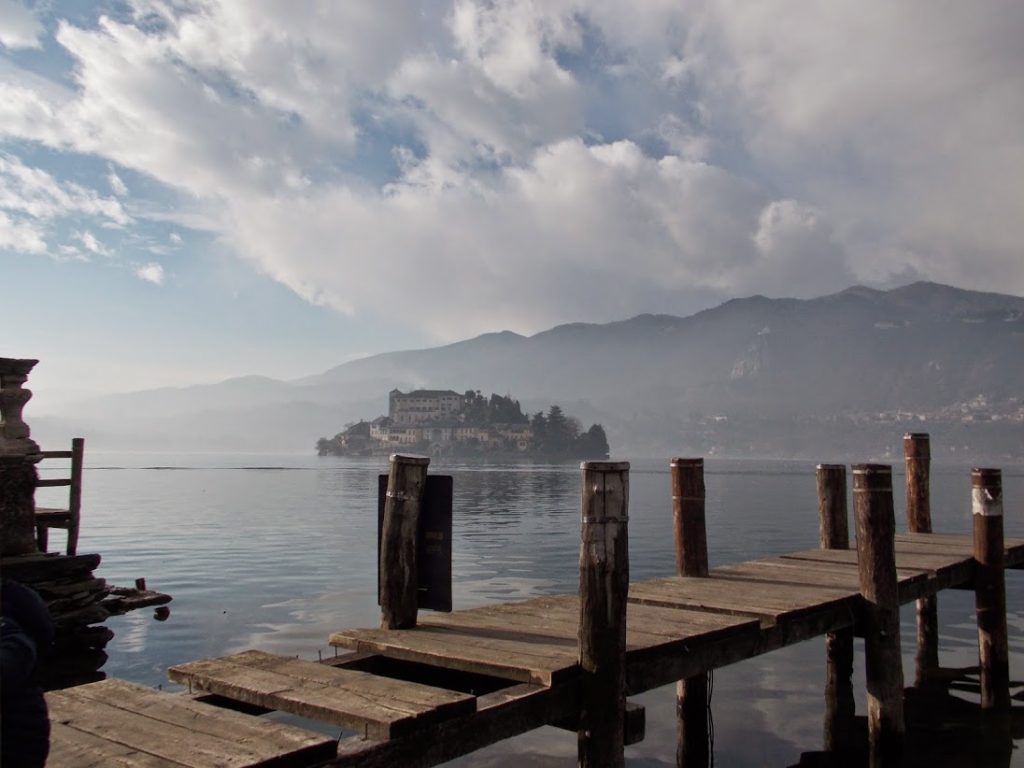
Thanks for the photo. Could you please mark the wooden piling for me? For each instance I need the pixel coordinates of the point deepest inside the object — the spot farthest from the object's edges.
(691, 533)
(834, 533)
(604, 588)
(876, 559)
(917, 455)
(990, 588)
(690, 527)
(398, 584)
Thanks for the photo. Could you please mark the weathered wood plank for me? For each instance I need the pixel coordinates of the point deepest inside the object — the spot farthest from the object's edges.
(72, 748)
(413, 697)
(963, 543)
(172, 743)
(510, 656)
(912, 584)
(946, 570)
(272, 739)
(660, 666)
(378, 706)
(491, 640)
(771, 602)
(558, 617)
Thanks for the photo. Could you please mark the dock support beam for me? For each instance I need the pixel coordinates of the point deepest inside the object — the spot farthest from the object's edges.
(990, 589)
(876, 560)
(917, 455)
(688, 520)
(834, 533)
(398, 581)
(604, 589)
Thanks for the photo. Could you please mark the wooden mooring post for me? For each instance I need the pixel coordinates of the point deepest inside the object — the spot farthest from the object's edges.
(604, 589)
(917, 455)
(834, 533)
(876, 561)
(398, 569)
(990, 589)
(690, 527)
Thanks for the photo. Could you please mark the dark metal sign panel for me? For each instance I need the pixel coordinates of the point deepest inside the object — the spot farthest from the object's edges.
(433, 542)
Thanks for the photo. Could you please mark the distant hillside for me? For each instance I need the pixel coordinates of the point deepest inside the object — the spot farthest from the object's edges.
(847, 372)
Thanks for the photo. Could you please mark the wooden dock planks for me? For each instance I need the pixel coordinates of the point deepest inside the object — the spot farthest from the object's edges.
(375, 706)
(115, 723)
(770, 601)
(675, 627)
(535, 640)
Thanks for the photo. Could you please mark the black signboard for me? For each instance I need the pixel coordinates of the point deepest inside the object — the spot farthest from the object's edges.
(433, 542)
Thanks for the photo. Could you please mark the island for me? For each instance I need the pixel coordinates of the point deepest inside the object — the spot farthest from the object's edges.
(445, 423)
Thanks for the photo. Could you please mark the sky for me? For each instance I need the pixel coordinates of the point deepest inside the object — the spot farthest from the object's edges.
(193, 190)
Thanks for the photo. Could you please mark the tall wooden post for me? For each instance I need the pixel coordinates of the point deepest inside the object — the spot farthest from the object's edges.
(398, 582)
(19, 455)
(75, 495)
(604, 589)
(834, 533)
(689, 524)
(876, 560)
(917, 454)
(990, 588)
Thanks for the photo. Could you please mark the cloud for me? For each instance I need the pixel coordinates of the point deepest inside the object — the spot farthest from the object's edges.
(33, 205)
(521, 163)
(19, 27)
(117, 186)
(150, 273)
(91, 244)
(36, 193)
(20, 236)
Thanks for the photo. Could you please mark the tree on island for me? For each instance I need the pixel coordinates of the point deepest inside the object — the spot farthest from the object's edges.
(593, 444)
(479, 410)
(558, 437)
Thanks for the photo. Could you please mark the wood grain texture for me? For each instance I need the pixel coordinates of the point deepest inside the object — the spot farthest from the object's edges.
(398, 567)
(376, 706)
(876, 555)
(604, 589)
(990, 589)
(117, 723)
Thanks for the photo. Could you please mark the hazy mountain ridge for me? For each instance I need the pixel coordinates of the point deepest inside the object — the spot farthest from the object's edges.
(860, 356)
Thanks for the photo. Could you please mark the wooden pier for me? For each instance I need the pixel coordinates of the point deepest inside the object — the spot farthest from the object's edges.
(442, 685)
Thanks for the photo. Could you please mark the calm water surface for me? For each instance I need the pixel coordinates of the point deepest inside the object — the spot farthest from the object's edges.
(276, 552)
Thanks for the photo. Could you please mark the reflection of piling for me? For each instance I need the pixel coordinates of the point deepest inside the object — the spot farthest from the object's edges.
(990, 588)
(917, 455)
(398, 573)
(876, 560)
(689, 523)
(834, 533)
(604, 588)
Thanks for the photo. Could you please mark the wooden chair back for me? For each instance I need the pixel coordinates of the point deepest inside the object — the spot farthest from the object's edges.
(68, 519)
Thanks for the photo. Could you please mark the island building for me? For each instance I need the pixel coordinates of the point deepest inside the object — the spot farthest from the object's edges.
(423, 405)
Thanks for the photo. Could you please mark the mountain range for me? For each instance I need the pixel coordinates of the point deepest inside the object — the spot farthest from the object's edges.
(843, 374)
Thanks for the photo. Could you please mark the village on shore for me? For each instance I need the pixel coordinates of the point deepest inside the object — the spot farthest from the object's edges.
(446, 423)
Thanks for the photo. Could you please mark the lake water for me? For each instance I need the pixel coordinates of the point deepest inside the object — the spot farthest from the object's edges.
(276, 552)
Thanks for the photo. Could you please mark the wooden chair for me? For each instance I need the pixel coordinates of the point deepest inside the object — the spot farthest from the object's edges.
(66, 519)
